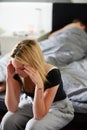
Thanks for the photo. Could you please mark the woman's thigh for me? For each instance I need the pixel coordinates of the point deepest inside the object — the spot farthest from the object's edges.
(18, 119)
(59, 115)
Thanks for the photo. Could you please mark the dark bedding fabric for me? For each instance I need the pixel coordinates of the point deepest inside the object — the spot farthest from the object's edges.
(68, 51)
(3, 108)
(78, 123)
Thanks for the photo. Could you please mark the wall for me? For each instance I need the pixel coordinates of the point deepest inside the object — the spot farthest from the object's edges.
(25, 16)
(74, 1)
(36, 0)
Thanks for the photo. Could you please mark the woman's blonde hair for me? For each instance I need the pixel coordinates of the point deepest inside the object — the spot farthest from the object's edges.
(28, 52)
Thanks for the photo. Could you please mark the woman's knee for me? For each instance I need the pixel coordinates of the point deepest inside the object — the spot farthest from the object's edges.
(14, 121)
(7, 121)
(33, 125)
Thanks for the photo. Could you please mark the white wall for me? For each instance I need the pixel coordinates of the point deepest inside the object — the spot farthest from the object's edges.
(36, 0)
(19, 16)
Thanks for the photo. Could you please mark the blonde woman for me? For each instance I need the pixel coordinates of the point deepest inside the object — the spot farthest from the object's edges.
(44, 105)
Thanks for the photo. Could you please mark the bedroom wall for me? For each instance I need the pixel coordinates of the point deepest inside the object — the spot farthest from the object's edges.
(20, 20)
(29, 16)
(37, 0)
(74, 1)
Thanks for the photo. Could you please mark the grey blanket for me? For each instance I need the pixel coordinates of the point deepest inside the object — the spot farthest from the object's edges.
(68, 51)
(75, 84)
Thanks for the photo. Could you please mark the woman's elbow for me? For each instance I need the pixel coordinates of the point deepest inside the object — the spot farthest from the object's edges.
(39, 116)
(10, 107)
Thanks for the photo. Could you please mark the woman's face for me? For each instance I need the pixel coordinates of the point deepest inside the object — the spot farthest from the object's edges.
(19, 68)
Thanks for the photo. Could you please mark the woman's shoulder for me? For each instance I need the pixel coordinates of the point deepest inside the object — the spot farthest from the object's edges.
(49, 67)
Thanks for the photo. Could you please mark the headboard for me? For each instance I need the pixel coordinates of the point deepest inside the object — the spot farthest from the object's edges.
(64, 13)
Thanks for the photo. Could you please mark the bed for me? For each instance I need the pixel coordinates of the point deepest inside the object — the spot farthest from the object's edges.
(68, 51)
(70, 56)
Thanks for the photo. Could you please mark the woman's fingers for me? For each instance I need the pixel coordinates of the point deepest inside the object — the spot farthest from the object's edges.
(29, 69)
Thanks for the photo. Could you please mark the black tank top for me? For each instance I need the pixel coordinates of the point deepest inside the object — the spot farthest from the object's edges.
(53, 79)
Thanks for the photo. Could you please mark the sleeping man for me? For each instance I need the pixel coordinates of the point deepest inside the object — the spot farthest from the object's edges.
(67, 44)
(76, 23)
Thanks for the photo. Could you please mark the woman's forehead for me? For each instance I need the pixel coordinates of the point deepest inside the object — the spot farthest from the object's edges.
(16, 63)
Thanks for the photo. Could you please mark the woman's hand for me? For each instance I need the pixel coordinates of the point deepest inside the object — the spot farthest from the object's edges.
(13, 89)
(10, 70)
(34, 75)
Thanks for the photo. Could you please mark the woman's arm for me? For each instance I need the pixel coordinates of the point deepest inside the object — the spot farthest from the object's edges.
(54, 33)
(42, 99)
(13, 90)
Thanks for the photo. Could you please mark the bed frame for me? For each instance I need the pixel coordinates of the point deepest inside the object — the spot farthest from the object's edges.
(64, 13)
